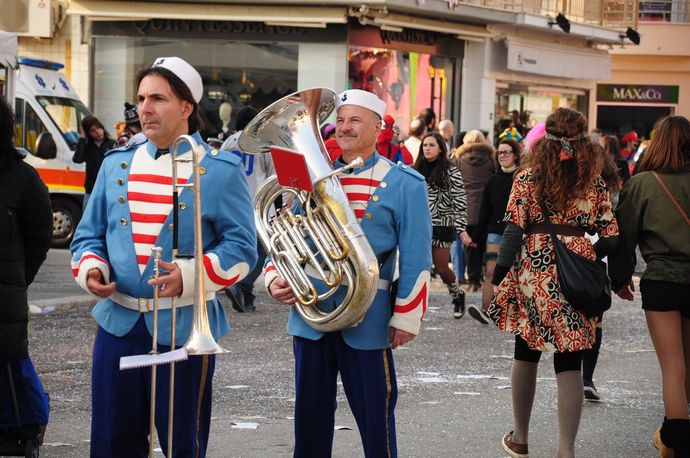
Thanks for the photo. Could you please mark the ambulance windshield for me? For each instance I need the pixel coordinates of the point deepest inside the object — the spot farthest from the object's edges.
(67, 115)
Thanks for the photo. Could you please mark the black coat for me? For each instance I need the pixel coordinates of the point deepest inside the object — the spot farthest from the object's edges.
(87, 151)
(26, 225)
(494, 203)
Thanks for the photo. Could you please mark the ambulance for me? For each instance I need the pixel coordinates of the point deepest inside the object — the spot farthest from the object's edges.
(48, 118)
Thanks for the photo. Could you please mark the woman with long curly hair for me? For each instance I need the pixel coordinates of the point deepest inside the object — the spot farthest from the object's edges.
(658, 221)
(447, 204)
(562, 171)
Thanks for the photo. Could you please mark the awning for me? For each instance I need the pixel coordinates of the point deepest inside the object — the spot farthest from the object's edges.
(556, 60)
(273, 15)
(396, 22)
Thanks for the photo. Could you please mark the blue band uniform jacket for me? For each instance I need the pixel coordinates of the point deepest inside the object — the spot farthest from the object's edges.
(391, 204)
(130, 212)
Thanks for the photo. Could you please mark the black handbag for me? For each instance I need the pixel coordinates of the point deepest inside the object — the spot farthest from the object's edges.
(584, 282)
(443, 233)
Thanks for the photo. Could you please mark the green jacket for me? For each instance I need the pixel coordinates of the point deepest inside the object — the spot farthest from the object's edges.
(647, 217)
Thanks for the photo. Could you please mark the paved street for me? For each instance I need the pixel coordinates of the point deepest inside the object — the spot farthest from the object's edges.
(454, 398)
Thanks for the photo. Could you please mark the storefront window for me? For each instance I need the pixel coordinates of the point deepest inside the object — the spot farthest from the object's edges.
(234, 75)
(407, 81)
(525, 106)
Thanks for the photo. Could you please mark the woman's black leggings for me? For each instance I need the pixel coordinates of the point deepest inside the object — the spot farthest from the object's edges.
(570, 361)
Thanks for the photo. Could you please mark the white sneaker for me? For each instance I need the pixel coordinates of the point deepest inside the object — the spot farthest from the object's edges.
(478, 314)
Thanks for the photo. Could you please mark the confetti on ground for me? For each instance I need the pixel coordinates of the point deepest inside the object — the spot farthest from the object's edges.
(476, 376)
(428, 374)
(56, 444)
(467, 393)
(431, 379)
(244, 425)
(502, 387)
(236, 387)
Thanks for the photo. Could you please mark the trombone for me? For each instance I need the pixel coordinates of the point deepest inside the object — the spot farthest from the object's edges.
(200, 340)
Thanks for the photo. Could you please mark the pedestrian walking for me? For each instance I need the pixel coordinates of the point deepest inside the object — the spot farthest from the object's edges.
(387, 148)
(610, 173)
(130, 211)
(447, 205)
(26, 224)
(91, 148)
(132, 131)
(390, 200)
(613, 148)
(653, 213)
(490, 225)
(475, 159)
(562, 174)
(414, 139)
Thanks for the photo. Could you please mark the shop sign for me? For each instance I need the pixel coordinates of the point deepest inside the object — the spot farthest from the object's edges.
(415, 37)
(636, 93)
(554, 60)
(230, 30)
(414, 40)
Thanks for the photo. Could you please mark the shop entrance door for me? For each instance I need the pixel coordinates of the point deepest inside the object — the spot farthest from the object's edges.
(621, 119)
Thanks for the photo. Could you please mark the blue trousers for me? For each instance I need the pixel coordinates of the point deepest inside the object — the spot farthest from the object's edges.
(120, 400)
(370, 385)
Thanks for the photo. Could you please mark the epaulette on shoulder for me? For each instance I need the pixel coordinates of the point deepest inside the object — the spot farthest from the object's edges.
(225, 156)
(123, 149)
(410, 171)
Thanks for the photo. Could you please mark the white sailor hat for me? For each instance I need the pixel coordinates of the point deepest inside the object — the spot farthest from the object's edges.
(363, 99)
(185, 72)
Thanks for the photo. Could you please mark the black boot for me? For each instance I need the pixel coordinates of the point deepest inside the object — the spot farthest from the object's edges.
(459, 306)
(458, 296)
(676, 434)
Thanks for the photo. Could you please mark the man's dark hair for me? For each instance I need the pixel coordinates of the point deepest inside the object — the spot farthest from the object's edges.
(244, 116)
(179, 88)
(7, 149)
(428, 116)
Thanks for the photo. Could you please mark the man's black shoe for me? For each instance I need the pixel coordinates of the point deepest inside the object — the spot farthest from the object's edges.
(236, 299)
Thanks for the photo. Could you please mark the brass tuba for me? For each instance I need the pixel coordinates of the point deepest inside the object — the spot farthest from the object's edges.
(322, 239)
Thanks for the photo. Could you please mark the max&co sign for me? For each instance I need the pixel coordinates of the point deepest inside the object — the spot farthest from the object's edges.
(636, 93)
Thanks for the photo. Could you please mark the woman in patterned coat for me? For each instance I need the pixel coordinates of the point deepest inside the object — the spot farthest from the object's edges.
(563, 169)
(447, 204)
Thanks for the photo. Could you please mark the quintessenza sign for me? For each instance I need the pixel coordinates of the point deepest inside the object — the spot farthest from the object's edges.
(636, 93)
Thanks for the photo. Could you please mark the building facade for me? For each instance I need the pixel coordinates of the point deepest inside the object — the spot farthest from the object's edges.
(651, 80)
(472, 62)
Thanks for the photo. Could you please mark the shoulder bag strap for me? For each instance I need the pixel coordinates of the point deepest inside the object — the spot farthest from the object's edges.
(673, 199)
(545, 212)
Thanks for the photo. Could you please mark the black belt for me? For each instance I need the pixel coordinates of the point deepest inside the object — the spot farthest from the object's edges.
(561, 229)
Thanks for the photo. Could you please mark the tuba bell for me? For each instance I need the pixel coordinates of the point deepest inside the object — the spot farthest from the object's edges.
(321, 238)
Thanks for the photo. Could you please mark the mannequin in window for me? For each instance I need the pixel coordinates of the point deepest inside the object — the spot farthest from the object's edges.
(225, 114)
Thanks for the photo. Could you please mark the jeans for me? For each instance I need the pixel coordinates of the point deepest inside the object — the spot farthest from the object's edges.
(457, 257)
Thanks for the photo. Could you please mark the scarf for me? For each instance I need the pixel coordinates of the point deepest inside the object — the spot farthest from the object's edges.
(567, 150)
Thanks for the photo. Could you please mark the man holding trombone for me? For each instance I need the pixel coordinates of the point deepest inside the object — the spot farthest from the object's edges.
(130, 212)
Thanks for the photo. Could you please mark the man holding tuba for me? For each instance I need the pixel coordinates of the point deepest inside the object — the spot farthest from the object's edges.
(390, 202)
(129, 212)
